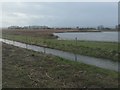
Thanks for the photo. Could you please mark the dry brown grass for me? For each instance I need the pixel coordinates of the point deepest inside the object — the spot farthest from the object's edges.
(44, 33)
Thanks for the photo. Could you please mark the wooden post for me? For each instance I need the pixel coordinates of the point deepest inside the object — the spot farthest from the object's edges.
(26, 41)
(76, 41)
(76, 49)
(45, 49)
(75, 57)
(13, 42)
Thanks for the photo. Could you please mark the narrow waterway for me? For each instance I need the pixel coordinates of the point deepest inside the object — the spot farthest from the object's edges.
(102, 63)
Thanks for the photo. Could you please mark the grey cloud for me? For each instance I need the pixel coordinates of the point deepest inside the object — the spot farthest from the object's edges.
(61, 14)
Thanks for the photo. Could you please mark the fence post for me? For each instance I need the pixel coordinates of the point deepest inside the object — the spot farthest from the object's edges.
(13, 40)
(26, 41)
(75, 57)
(76, 41)
(44, 50)
(76, 49)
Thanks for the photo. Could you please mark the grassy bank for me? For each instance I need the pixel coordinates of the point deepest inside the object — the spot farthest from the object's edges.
(25, 68)
(107, 50)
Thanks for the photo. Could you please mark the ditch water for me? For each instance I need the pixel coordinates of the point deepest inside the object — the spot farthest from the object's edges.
(102, 63)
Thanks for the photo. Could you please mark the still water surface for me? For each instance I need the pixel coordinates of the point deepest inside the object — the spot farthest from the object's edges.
(90, 36)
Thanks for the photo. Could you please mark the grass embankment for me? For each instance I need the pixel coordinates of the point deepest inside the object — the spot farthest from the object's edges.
(25, 68)
(107, 50)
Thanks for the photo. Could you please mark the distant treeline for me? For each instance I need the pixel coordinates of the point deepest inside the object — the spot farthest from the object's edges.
(46, 27)
(101, 27)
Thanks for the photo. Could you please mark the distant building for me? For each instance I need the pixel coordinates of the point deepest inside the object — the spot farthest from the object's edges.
(117, 27)
(101, 27)
(38, 27)
(28, 27)
(14, 27)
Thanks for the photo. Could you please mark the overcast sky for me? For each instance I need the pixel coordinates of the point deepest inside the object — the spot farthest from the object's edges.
(60, 14)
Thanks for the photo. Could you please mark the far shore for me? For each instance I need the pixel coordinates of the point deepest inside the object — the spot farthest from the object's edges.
(62, 30)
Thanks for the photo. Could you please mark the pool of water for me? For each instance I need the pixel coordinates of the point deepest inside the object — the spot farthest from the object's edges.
(90, 36)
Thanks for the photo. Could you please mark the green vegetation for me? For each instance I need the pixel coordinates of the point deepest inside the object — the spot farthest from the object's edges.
(107, 50)
(24, 68)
